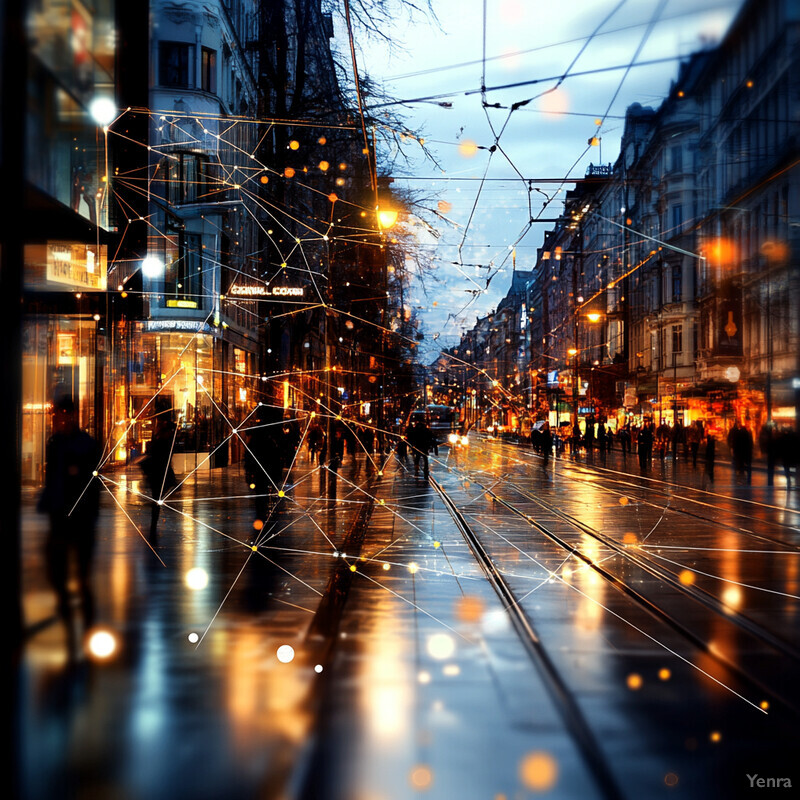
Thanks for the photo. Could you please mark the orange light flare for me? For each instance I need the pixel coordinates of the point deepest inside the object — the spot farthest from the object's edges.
(776, 252)
(721, 252)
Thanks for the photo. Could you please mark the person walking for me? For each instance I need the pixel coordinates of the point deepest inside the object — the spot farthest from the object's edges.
(316, 442)
(263, 465)
(546, 442)
(156, 465)
(420, 439)
(740, 442)
(694, 436)
(645, 446)
(711, 448)
(71, 499)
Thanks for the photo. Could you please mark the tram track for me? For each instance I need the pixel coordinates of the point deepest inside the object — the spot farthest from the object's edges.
(636, 490)
(778, 648)
(563, 697)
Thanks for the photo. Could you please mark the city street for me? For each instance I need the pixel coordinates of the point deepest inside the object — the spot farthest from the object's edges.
(497, 631)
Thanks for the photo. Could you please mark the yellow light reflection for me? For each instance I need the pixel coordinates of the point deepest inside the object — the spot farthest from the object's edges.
(538, 771)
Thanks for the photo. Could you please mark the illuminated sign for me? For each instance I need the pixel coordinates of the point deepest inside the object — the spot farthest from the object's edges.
(266, 291)
(59, 265)
(180, 325)
(181, 304)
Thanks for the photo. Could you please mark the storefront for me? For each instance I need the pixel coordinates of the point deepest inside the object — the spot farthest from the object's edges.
(184, 373)
(59, 358)
(63, 342)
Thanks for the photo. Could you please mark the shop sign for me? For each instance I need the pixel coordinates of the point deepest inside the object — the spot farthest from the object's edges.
(631, 398)
(78, 267)
(66, 349)
(183, 325)
(266, 291)
(181, 304)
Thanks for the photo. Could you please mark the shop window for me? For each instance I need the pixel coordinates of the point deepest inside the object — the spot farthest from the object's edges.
(175, 64)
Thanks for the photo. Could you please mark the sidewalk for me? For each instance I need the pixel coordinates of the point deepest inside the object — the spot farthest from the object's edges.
(195, 701)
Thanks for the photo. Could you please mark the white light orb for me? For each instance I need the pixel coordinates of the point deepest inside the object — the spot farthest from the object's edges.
(152, 267)
(285, 653)
(196, 578)
(103, 110)
(102, 644)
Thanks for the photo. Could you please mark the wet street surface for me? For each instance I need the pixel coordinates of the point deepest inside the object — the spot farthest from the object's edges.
(500, 631)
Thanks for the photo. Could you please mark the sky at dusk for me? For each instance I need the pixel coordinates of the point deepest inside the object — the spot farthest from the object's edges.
(482, 197)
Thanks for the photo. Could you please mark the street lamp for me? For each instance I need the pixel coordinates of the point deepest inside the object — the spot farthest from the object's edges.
(387, 217)
(573, 351)
(152, 267)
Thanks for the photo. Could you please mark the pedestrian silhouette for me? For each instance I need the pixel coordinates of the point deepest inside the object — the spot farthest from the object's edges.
(711, 447)
(421, 440)
(71, 498)
(156, 465)
(263, 464)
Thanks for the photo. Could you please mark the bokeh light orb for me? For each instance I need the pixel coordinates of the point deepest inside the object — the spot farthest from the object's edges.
(441, 646)
(538, 771)
(285, 653)
(196, 578)
(634, 681)
(467, 149)
(421, 777)
(102, 644)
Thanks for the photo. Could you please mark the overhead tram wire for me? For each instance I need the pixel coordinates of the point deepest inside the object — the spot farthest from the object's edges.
(560, 79)
(517, 53)
(532, 82)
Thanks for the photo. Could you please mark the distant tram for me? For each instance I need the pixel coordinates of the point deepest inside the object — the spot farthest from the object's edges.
(439, 418)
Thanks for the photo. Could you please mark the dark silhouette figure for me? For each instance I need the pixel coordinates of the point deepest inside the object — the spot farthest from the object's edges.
(602, 440)
(316, 442)
(711, 449)
(263, 464)
(157, 469)
(768, 443)
(694, 436)
(421, 441)
(402, 446)
(788, 451)
(645, 446)
(740, 441)
(546, 442)
(71, 498)
(624, 436)
(336, 455)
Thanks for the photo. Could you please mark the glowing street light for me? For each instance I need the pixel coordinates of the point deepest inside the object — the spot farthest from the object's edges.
(387, 217)
(103, 111)
(152, 267)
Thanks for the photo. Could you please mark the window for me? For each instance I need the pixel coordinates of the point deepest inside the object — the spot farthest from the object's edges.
(677, 283)
(677, 218)
(187, 178)
(183, 281)
(175, 64)
(676, 154)
(677, 340)
(208, 70)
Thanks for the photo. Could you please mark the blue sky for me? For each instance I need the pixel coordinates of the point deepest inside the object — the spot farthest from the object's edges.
(523, 40)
